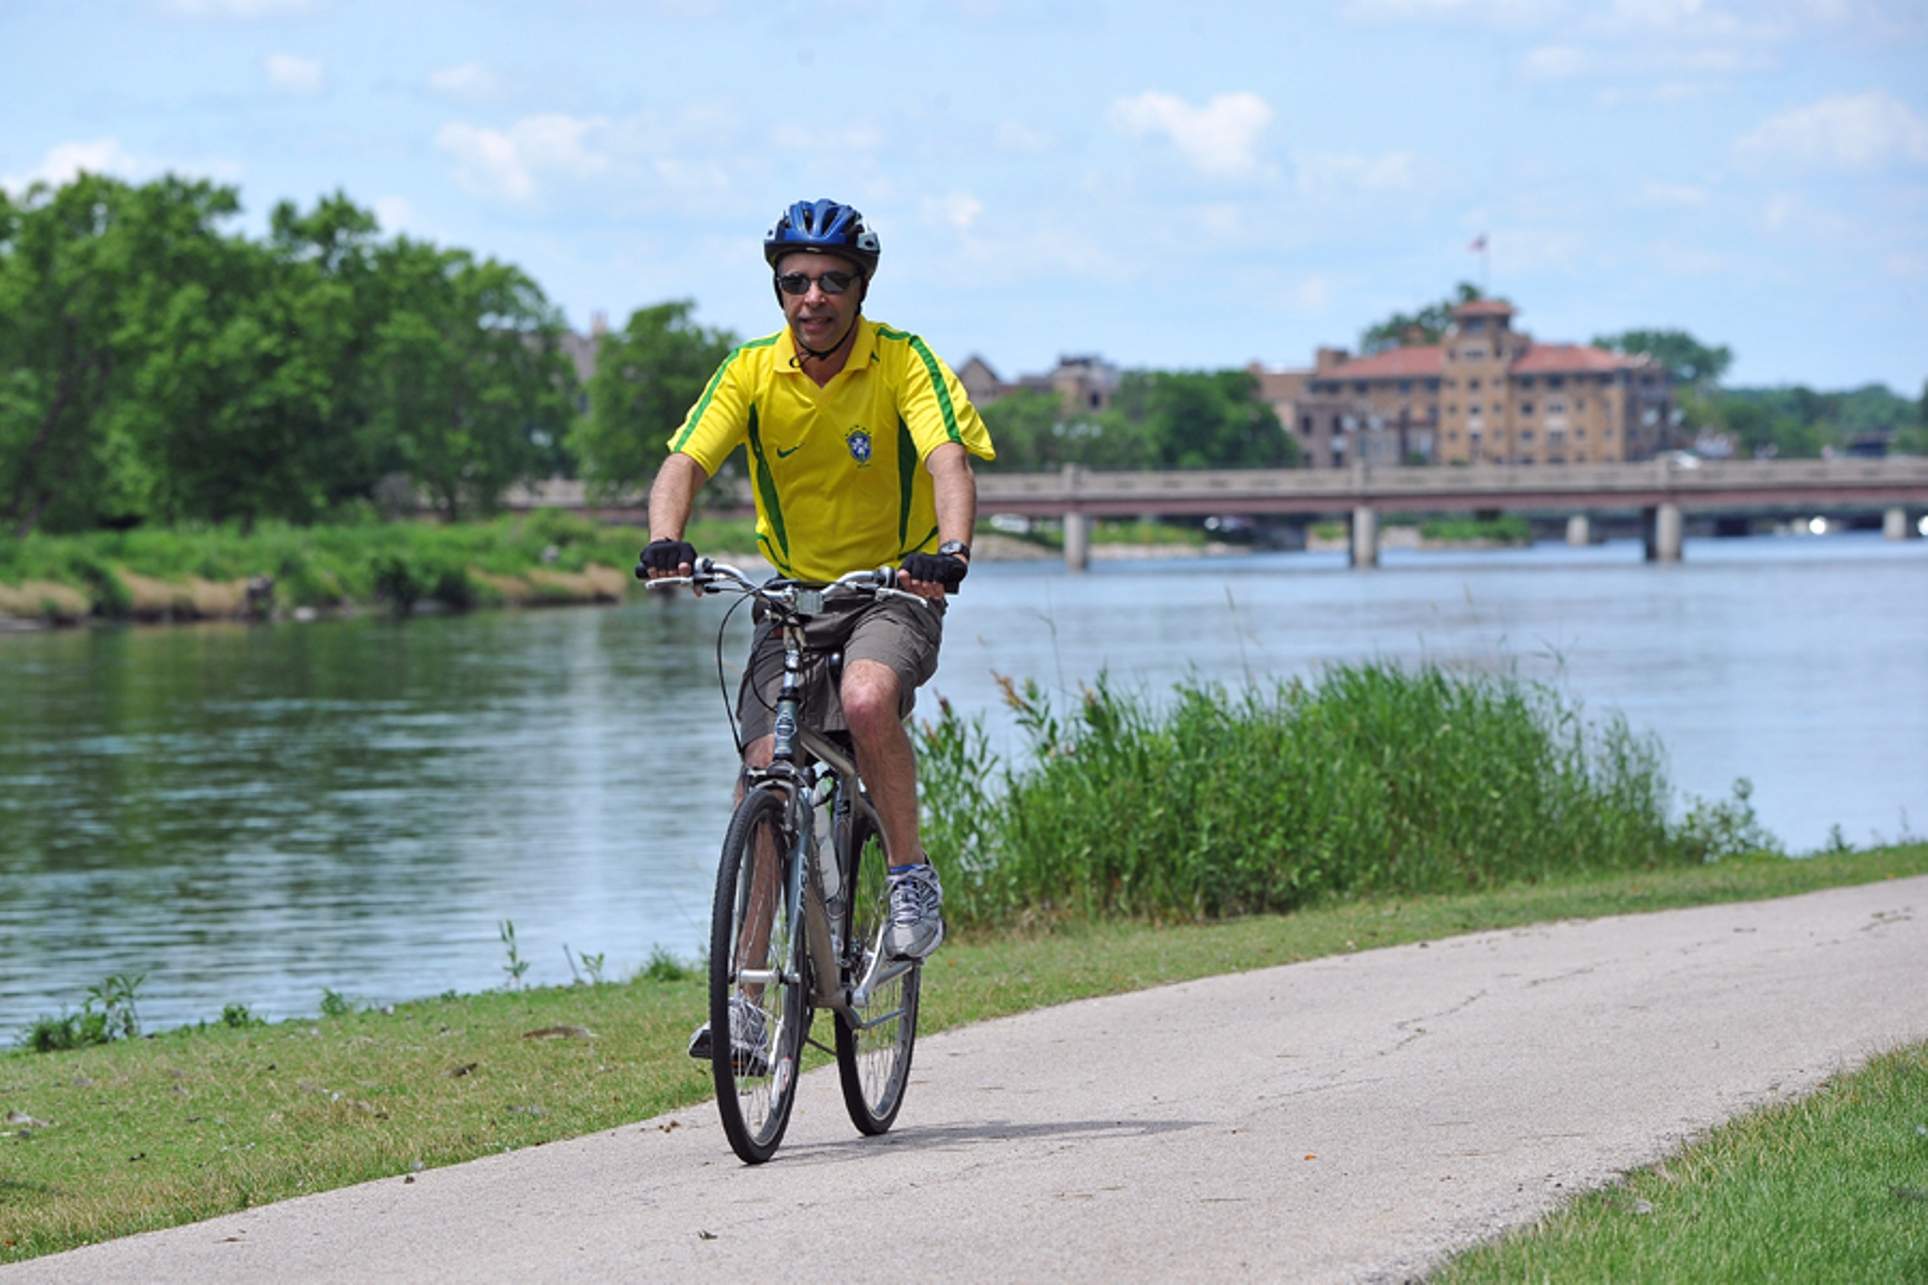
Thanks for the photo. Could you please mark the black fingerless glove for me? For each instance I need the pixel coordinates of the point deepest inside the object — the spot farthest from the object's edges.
(666, 557)
(946, 569)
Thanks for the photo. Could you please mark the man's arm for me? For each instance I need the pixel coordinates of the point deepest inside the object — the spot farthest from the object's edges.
(671, 496)
(954, 489)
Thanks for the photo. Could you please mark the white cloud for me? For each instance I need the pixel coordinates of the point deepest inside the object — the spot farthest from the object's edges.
(1677, 196)
(395, 214)
(1848, 131)
(243, 9)
(66, 161)
(1554, 62)
(1493, 13)
(853, 138)
(470, 80)
(1328, 174)
(1219, 138)
(507, 163)
(1015, 136)
(296, 75)
(1312, 294)
(958, 210)
(1671, 91)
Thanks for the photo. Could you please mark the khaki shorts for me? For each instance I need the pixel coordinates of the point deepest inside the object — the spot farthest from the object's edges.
(889, 631)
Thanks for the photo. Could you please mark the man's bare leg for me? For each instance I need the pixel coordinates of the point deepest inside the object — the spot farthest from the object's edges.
(871, 694)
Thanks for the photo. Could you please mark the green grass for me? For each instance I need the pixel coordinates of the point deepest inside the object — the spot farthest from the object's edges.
(1050, 534)
(145, 572)
(1368, 781)
(151, 1133)
(1509, 528)
(1833, 1187)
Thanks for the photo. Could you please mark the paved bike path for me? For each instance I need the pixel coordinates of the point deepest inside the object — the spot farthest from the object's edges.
(1347, 1118)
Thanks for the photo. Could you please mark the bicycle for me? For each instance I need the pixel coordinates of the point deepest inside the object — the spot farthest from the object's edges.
(794, 928)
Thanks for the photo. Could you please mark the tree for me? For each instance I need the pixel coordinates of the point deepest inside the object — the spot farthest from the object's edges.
(1426, 326)
(648, 375)
(469, 374)
(1033, 434)
(1688, 361)
(1202, 419)
(65, 263)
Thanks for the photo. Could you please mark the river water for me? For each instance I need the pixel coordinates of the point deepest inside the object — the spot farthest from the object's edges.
(251, 815)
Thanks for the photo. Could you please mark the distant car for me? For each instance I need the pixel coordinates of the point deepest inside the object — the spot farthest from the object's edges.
(1681, 459)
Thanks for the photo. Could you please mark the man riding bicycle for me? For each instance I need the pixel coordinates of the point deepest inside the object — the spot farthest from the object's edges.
(859, 442)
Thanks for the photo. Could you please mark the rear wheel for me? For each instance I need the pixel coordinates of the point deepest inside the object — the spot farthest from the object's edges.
(873, 1053)
(755, 979)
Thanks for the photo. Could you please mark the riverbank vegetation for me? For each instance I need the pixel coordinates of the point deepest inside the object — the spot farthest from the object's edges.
(138, 1134)
(219, 571)
(1369, 780)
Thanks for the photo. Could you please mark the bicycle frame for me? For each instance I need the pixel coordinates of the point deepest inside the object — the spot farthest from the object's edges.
(811, 907)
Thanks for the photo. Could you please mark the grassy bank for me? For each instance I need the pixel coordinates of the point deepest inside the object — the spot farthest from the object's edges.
(1833, 1187)
(150, 1133)
(1371, 780)
(208, 572)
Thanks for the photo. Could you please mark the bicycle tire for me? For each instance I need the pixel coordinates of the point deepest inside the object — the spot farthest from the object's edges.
(873, 1063)
(755, 1096)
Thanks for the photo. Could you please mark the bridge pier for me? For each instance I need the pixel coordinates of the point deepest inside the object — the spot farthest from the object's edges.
(1365, 537)
(1077, 542)
(1661, 528)
(1579, 530)
(1895, 524)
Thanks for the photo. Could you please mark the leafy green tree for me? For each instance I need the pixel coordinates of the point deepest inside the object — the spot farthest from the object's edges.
(1033, 434)
(1427, 325)
(67, 258)
(1688, 361)
(648, 375)
(1203, 419)
(470, 377)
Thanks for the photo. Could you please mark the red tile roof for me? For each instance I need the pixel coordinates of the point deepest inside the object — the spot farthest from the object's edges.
(1565, 358)
(1484, 308)
(1417, 362)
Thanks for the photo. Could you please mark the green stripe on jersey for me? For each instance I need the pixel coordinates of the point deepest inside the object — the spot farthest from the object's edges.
(766, 486)
(937, 386)
(696, 416)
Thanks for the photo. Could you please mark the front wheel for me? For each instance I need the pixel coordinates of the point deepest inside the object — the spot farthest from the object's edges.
(873, 1053)
(757, 1007)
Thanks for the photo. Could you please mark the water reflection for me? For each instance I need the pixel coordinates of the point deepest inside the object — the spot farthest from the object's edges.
(250, 815)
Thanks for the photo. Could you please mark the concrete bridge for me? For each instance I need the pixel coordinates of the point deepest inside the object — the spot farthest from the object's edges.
(1660, 490)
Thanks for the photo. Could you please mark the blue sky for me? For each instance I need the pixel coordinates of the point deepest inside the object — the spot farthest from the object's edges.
(1168, 185)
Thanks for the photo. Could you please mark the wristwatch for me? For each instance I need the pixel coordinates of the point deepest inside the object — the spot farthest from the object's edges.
(955, 548)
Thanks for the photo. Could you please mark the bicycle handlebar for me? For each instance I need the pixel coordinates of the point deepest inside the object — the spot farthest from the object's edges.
(711, 576)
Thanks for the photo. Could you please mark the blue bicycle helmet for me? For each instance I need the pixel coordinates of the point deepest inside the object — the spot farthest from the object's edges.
(828, 226)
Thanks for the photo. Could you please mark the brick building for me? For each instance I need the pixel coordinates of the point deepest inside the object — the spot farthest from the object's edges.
(1486, 393)
(1084, 383)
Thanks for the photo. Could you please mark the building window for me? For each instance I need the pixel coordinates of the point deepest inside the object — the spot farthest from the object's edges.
(1526, 408)
(1526, 435)
(1359, 386)
(1526, 381)
(1649, 417)
(1473, 325)
(1452, 408)
(1405, 386)
(1579, 403)
(1555, 381)
(1348, 422)
(1432, 385)
(1472, 383)
(1305, 424)
(1473, 352)
(1556, 405)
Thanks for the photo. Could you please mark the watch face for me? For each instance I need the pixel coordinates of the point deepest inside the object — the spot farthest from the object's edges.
(955, 546)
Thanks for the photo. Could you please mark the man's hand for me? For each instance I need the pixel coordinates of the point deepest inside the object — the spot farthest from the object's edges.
(663, 558)
(930, 574)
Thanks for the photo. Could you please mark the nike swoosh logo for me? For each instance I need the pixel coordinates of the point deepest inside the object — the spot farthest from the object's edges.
(784, 455)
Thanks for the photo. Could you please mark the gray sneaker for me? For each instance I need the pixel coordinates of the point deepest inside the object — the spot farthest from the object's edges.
(916, 912)
(749, 1038)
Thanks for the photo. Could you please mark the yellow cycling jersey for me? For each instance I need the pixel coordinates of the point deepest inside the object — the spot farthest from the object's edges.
(837, 470)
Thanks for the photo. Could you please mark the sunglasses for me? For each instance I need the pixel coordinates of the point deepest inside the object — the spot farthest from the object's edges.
(800, 283)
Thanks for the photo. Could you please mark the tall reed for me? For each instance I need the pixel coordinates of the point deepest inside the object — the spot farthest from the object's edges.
(1371, 779)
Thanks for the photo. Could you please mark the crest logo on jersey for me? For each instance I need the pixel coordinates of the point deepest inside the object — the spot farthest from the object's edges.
(858, 440)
